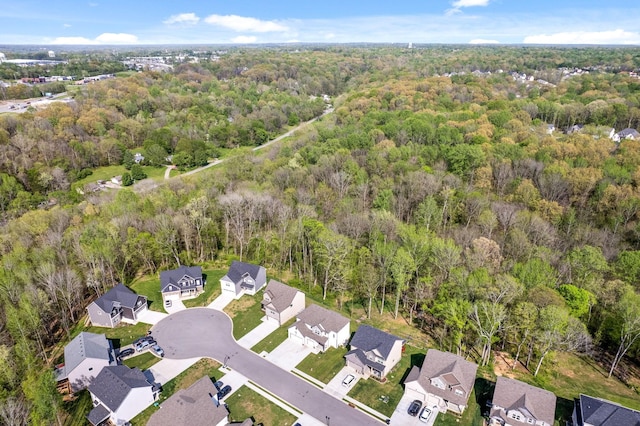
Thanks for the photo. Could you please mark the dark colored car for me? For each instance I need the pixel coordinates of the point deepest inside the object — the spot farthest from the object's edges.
(126, 352)
(224, 392)
(414, 408)
(218, 384)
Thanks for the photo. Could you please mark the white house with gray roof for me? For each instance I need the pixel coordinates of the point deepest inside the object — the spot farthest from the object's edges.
(281, 302)
(445, 381)
(195, 406)
(516, 403)
(243, 278)
(373, 352)
(120, 393)
(117, 305)
(186, 282)
(320, 329)
(84, 357)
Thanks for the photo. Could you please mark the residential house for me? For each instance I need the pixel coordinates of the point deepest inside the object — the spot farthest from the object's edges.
(138, 158)
(576, 128)
(118, 304)
(120, 393)
(84, 357)
(320, 329)
(373, 352)
(281, 302)
(243, 278)
(186, 282)
(590, 411)
(626, 134)
(445, 381)
(195, 406)
(516, 403)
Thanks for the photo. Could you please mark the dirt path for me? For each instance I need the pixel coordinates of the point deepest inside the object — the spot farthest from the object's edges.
(257, 148)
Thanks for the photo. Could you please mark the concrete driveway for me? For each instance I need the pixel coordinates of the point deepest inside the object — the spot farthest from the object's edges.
(151, 317)
(176, 306)
(167, 369)
(203, 332)
(288, 354)
(221, 301)
(401, 417)
(257, 334)
(335, 386)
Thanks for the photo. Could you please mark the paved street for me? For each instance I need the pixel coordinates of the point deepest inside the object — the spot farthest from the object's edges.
(202, 332)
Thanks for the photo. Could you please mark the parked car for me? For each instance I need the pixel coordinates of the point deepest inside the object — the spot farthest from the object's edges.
(348, 380)
(125, 353)
(141, 345)
(167, 303)
(144, 339)
(157, 350)
(414, 408)
(224, 392)
(218, 384)
(425, 414)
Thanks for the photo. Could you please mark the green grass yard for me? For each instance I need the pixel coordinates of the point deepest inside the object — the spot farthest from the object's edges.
(273, 340)
(211, 288)
(149, 286)
(323, 366)
(122, 335)
(245, 403)
(246, 314)
(142, 361)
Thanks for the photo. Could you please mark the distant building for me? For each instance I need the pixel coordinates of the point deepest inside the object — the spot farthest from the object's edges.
(51, 54)
(2, 57)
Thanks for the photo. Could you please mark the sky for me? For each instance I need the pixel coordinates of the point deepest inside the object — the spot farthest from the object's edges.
(102, 22)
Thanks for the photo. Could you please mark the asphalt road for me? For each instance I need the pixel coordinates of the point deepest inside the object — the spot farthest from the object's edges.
(203, 332)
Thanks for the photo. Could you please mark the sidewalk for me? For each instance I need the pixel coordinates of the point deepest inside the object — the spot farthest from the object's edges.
(257, 334)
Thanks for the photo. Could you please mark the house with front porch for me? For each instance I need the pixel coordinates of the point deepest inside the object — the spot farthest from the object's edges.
(516, 403)
(445, 381)
(195, 406)
(186, 282)
(243, 278)
(116, 305)
(84, 357)
(281, 302)
(320, 329)
(120, 393)
(373, 352)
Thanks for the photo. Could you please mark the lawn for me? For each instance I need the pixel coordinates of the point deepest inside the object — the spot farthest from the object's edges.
(273, 340)
(246, 314)
(142, 361)
(122, 335)
(472, 416)
(149, 286)
(185, 379)
(107, 172)
(78, 409)
(370, 391)
(324, 366)
(211, 288)
(245, 403)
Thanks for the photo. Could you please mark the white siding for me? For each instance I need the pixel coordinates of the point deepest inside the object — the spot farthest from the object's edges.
(136, 401)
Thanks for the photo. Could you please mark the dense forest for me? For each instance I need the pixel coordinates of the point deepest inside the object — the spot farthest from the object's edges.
(443, 188)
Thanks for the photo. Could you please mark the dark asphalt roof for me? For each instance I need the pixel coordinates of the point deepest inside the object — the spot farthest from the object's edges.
(120, 294)
(86, 345)
(113, 384)
(600, 412)
(238, 269)
(98, 415)
(172, 276)
(326, 319)
(369, 339)
(358, 357)
(511, 394)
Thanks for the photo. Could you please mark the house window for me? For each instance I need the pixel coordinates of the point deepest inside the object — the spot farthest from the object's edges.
(529, 420)
(515, 416)
(90, 368)
(459, 392)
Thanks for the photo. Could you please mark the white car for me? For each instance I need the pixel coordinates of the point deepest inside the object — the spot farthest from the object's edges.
(348, 380)
(425, 414)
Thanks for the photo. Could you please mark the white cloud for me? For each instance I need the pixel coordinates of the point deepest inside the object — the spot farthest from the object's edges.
(586, 37)
(116, 38)
(104, 38)
(243, 23)
(244, 39)
(469, 3)
(182, 18)
(66, 25)
(483, 41)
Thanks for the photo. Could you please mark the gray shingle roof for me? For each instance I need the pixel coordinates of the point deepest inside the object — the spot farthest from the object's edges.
(86, 345)
(98, 415)
(624, 133)
(452, 369)
(238, 269)
(281, 295)
(359, 357)
(113, 384)
(193, 406)
(369, 338)
(118, 294)
(512, 394)
(171, 277)
(600, 412)
(324, 318)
